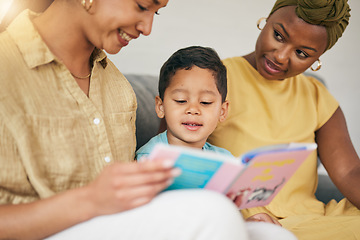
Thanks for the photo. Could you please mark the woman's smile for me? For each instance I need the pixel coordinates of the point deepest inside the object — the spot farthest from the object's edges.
(271, 67)
(124, 38)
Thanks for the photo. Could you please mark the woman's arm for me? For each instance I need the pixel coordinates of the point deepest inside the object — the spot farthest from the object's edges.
(118, 188)
(339, 157)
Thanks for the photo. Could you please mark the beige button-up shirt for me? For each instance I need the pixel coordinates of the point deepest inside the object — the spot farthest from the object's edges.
(52, 136)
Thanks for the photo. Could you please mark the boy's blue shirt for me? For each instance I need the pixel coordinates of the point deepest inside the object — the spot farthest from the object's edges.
(162, 138)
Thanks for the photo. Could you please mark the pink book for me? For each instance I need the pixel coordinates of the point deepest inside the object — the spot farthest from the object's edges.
(257, 175)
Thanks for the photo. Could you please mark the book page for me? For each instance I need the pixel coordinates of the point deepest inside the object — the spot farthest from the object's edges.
(266, 175)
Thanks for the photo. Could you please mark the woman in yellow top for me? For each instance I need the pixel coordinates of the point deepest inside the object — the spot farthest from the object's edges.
(271, 102)
(67, 135)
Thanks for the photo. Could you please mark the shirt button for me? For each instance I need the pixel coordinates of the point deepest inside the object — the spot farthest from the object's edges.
(107, 159)
(96, 121)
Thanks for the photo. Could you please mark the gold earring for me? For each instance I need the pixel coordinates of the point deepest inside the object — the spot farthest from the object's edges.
(259, 21)
(318, 66)
(87, 8)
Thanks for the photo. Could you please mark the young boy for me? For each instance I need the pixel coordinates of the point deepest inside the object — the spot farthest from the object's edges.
(192, 93)
(192, 99)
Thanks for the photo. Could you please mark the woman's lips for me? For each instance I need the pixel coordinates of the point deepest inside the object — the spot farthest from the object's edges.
(124, 38)
(271, 67)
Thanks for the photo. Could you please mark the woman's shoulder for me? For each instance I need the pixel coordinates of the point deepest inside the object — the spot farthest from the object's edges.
(312, 80)
(239, 65)
(237, 60)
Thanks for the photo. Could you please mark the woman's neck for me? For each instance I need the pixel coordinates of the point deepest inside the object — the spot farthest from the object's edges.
(61, 29)
(251, 59)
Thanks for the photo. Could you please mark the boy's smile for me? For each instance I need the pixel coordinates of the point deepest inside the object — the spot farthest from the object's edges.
(192, 126)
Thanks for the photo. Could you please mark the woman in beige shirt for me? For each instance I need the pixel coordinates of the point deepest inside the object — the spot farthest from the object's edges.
(67, 134)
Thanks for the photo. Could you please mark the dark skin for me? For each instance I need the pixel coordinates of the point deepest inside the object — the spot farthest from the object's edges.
(286, 47)
(339, 157)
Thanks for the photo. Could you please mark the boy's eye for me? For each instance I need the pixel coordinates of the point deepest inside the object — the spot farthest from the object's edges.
(180, 101)
(302, 54)
(278, 36)
(206, 103)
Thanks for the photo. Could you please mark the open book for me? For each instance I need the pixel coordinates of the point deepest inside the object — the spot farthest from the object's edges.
(257, 176)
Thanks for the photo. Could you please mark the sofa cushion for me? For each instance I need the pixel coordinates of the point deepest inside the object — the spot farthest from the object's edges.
(147, 122)
(326, 190)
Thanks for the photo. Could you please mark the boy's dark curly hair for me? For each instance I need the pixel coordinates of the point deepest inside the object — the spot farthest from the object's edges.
(186, 58)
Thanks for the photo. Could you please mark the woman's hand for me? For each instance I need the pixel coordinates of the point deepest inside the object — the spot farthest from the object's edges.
(119, 187)
(263, 217)
(236, 197)
(123, 186)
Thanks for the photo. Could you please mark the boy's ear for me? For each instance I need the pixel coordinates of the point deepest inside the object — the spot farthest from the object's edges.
(159, 107)
(224, 111)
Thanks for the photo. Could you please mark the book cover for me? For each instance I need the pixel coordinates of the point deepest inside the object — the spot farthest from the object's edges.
(257, 176)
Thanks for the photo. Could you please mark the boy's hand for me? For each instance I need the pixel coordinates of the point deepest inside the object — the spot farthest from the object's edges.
(263, 217)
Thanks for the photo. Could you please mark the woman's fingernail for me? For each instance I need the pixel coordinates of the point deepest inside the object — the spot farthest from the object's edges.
(168, 163)
(169, 182)
(176, 172)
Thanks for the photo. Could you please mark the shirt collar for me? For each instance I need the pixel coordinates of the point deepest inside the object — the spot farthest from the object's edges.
(99, 55)
(33, 49)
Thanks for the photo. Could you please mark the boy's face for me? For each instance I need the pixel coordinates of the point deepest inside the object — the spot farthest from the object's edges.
(192, 107)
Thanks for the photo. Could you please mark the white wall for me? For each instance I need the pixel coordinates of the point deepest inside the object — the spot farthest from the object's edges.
(229, 26)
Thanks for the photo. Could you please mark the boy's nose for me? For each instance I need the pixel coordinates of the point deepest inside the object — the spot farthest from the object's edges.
(193, 110)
